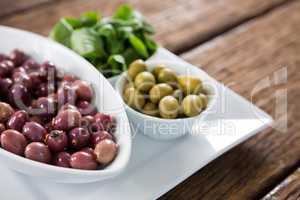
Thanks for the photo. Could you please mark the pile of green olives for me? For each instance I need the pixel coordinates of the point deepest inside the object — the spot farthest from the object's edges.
(162, 93)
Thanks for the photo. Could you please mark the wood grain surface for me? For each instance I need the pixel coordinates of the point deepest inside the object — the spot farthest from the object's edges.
(250, 55)
(180, 24)
(289, 189)
(13, 6)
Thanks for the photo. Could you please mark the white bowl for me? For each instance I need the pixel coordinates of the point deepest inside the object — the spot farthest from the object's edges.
(107, 100)
(166, 129)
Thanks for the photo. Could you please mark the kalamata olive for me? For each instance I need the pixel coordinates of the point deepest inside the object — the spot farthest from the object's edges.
(5, 84)
(23, 79)
(31, 65)
(36, 119)
(3, 57)
(108, 121)
(34, 132)
(42, 90)
(48, 127)
(86, 108)
(135, 68)
(66, 120)
(86, 121)
(36, 80)
(106, 151)
(67, 107)
(38, 151)
(19, 96)
(6, 68)
(66, 94)
(45, 107)
(5, 112)
(83, 90)
(18, 57)
(62, 159)
(96, 126)
(48, 71)
(2, 128)
(83, 160)
(69, 78)
(89, 150)
(79, 138)
(57, 140)
(17, 120)
(96, 137)
(13, 141)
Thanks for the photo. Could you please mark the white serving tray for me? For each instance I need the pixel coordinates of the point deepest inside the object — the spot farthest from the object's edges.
(155, 167)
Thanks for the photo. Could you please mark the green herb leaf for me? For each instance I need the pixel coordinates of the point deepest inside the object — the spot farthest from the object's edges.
(61, 32)
(117, 64)
(124, 12)
(89, 18)
(87, 44)
(138, 46)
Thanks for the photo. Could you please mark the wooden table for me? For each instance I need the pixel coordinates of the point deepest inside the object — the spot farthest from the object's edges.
(238, 42)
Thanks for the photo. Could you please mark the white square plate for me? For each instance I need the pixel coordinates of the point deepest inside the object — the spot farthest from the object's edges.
(155, 167)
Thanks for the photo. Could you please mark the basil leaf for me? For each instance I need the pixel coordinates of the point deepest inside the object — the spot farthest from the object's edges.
(138, 46)
(151, 45)
(130, 55)
(124, 12)
(87, 44)
(61, 32)
(89, 18)
(117, 64)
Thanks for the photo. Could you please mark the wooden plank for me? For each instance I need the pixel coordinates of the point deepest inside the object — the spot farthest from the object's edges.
(9, 6)
(289, 189)
(254, 53)
(180, 24)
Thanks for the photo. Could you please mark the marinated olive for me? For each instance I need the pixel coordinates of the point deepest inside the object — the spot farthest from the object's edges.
(157, 70)
(17, 120)
(45, 107)
(79, 138)
(5, 84)
(86, 121)
(134, 98)
(98, 136)
(135, 68)
(66, 120)
(38, 151)
(66, 94)
(5, 112)
(13, 141)
(83, 160)
(62, 159)
(167, 76)
(23, 79)
(168, 107)
(144, 81)
(6, 68)
(86, 108)
(89, 150)
(57, 140)
(106, 151)
(2, 128)
(190, 84)
(108, 121)
(83, 90)
(67, 107)
(18, 57)
(150, 109)
(34, 132)
(159, 91)
(204, 99)
(19, 96)
(178, 94)
(192, 105)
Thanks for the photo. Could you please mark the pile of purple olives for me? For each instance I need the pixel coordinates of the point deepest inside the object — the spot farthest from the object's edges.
(47, 116)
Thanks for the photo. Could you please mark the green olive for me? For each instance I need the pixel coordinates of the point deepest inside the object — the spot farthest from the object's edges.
(150, 109)
(144, 81)
(190, 84)
(192, 105)
(158, 91)
(178, 94)
(157, 69)
(204, 99)
(135, 68)
(167, 76)
(168, 107)
(134, 98)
